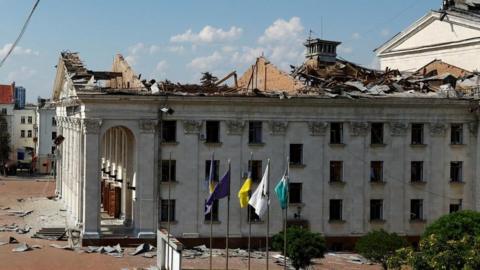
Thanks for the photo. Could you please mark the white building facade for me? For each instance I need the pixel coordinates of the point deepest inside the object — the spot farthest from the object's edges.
(47, 132)
(24, 133)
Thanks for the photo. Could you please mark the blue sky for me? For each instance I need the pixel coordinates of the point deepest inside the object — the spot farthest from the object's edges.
(180, 39)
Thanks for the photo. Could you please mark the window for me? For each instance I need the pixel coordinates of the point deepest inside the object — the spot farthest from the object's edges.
(456, 171)
(456, 135)
(376, 171)
(169, 131)
(216, 165)
(213, 131)
(30, 120)
(213, 213)
(29, 134)
(255, 132)
(336, 133)
(295, 192)
(416, 209)
(22, 133)
(456, 206)
(376, 209)
(416, 171)
(377, 133)
(253, 216)
(256, 170)
(54, 135)
(296, 153)
(417, 133)
(335, 210)
(53, 150)
(4, 110)
(169, 170)
(164, 210)
(22, 120)
(54, 122)
(336, 171)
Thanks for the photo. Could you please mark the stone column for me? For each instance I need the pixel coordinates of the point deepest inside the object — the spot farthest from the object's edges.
(91, 188)
(475, 130)
(146, 181)
(58, 161)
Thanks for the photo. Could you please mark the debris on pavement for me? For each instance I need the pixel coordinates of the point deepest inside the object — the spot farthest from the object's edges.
(22, 248)
(142, 249)
(12, 240)
(66, 247)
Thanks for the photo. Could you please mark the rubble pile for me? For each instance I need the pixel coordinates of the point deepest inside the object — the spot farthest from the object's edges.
(204, 252)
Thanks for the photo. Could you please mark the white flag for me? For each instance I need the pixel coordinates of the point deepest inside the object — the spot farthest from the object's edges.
(259, 199)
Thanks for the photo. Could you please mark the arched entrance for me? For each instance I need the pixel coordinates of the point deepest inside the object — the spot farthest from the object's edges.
(118, 178)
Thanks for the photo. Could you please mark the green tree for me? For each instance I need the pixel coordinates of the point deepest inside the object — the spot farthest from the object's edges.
(452, 242)
(4, 141)
(302, 246)
(379, 245)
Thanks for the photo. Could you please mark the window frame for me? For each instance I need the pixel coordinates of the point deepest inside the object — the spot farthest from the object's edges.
(456, 177)
(297, 187)
(336, 165)
(255, 132)
(373, 172)
(294, 161)
(338, 216)
(169, 130)
(413, 207)
(164, 205)
(336, 133)
(377, 139)
(172, 169)
(419, 127)
(212, 136)
(413, 165)
(456, 134)
(376, 215)
(255, 167)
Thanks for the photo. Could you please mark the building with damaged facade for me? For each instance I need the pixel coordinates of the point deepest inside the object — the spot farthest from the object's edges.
(451, 34)
(368, 149)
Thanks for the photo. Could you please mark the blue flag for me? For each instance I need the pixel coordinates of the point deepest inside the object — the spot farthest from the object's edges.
(221, 190)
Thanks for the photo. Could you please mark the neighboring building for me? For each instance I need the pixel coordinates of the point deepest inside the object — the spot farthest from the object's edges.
(451, 34)
(6, 109)
(366, 150)
(24, 134)
(47, 132)
(20, 97)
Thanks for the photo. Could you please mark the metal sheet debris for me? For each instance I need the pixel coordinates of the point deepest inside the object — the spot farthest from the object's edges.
(22, 248)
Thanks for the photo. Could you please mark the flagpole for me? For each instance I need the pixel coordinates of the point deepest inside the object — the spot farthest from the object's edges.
(268, 209)
(228, 213)
(285, 217)
(249, 214)
(212, 167)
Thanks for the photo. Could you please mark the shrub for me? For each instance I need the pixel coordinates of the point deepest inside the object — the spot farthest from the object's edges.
(455, 226)
(302, 246)
(378, 246)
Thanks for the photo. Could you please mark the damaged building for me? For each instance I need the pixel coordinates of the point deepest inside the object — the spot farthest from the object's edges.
(450, 34)
(368, 149)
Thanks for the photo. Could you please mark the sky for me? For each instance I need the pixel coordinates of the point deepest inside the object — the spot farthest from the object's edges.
(178, 40)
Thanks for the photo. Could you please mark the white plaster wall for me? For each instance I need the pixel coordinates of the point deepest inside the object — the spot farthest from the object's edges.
(17, 141)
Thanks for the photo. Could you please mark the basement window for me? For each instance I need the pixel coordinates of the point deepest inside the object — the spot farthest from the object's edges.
(336, 171)
(213, 131)
(376, 171)
(164, 210)
(417, 134)
(336, 133)
(416, 171)
(255, 132)
(169, 131)
(335, 210)
(416, 209)
(296, 154)
(456, 168)
(169, 169)
(456, 134)
(295, 192)
(255, 167)
(377, 133)
(376, 209)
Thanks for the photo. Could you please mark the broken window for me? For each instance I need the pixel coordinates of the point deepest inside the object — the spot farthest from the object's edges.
(376, 171)
(296, 154)
(456, 135)
(416, 171)
(29, 133)
(456, 206)
(336, 133)
(335, 210)
(377, 133)
(295, 192)
(22, 120)
(255, 132)
(22, 133)
(456, 171)
(216, 166)
(213, 213)
(376, 209)
(54, 135)
(165, 205)
(417, 133)
(169, 131)
(256, 170)
(253, 216)
(336, 171)
(213, 131)
(416, 209)
(169, 169)
(30, 120)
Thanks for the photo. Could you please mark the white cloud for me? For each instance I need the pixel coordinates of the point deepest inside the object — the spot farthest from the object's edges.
(176, 49)
(17, 51)
(137, 48)
(356, 36)
(154, 48)
(344, 49)
(161, 69)
(282, 31)
(22, 74)
(385, 32)
(209, 34)
(131, 60)
(206, 63)
(247, 55)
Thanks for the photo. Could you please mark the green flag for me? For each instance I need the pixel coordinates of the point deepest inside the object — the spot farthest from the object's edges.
(281, 189)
